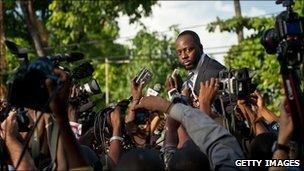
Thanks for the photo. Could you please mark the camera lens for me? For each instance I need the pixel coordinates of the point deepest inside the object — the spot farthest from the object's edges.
(91, 87)
(270, 41)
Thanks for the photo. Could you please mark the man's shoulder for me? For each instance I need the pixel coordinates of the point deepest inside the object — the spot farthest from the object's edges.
(210, 63)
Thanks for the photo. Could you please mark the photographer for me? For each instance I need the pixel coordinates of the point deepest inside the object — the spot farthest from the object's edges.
(253, 119)
(139, 135)
(221, 147)
(116, 140)
(68, 153)
(9, 133)
(281, 148)
(263, 112)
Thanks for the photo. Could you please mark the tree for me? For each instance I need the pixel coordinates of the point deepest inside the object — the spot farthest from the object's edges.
(92, 25)
(238, 13)
(3, 62)
(148, 49)
(64, 26)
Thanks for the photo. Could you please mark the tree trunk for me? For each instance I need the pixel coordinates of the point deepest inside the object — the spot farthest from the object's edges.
(239, 30)
(3, 62)
(31, 23)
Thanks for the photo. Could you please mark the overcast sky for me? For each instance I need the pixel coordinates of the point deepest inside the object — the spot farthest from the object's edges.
(194, 15)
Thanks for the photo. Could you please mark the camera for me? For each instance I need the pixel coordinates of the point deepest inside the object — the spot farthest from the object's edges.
(103, 127)
(27, 87)
(286, 38)
(144, 75)
(141, 116)
(84, 91)
(236, 82)
(89, 88)
(21, 117)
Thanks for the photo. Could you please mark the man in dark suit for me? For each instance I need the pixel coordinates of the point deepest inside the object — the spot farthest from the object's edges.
(199, 65)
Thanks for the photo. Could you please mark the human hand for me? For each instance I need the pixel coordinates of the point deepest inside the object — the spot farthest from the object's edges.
(258, 99)
(286, 124)
(136, 89)
(59, 101)
(9, 127)
(208, 91)
(174, 81)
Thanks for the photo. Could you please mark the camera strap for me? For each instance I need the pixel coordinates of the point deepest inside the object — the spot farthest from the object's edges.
(54, 144)
(35, 140)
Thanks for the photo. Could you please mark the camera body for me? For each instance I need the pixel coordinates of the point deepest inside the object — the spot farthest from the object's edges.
(21, 117)
(236, 82)
(28, 89)
(143, 76)
(286, 38)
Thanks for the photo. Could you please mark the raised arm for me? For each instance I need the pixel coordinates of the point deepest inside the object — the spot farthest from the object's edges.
(212, 139)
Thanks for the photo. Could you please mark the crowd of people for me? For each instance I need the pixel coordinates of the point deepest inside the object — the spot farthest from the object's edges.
(189, 131)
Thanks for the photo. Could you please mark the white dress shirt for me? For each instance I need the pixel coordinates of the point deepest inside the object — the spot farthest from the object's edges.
(195, 71)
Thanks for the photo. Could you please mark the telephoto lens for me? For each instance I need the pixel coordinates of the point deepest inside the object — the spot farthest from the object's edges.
(90, 88)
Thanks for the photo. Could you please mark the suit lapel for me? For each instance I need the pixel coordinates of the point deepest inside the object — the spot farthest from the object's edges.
(201, 75)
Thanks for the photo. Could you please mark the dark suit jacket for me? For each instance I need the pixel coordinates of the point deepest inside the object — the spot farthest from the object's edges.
(210, 68)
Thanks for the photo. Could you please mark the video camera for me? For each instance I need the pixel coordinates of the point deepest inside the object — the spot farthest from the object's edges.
(27, 87)
(286, 38)
(236, 83)
(84, 90)
(233, 85)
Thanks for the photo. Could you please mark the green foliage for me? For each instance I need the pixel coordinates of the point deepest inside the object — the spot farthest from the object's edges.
(14, 24)
(149, 50)
(75, 22)
(234, 23)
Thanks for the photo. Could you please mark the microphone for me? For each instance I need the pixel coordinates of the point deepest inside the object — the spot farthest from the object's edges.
(155, 91)
(71, 57)
(157, 87)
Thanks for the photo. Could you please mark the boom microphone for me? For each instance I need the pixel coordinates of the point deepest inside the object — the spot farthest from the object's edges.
(71, 57)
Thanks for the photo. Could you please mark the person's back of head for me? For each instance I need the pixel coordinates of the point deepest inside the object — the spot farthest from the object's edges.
(260, 148)
(189, 158)
(140, 159)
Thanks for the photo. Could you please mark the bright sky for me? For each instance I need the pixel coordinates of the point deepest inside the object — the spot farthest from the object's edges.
(194, 15)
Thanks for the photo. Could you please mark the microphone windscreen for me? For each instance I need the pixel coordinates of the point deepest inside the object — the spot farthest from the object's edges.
(157, 87)
(74, 56)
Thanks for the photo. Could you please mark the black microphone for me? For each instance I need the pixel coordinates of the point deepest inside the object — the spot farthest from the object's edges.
(71, 57)
(20, 52)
